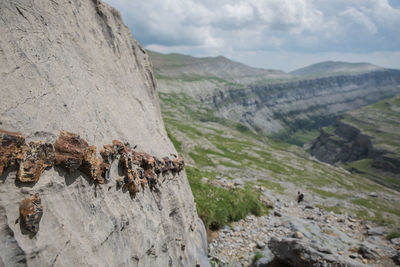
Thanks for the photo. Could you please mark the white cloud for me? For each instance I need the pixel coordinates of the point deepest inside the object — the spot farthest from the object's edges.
(278, 26)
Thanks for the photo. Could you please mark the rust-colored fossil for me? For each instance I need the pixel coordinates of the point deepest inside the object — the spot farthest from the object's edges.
(31, 211)
(37, 156)
(11, 148)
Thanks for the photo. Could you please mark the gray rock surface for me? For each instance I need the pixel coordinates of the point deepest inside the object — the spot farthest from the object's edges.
(74, 66)
(238, 182)
(266, 259)
(328, 240)
(395, 241)
(377, 231)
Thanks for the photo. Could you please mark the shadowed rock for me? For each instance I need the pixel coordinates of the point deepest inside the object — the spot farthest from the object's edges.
(31, 211)
(298, 252)
(36, 158)
(11, 148)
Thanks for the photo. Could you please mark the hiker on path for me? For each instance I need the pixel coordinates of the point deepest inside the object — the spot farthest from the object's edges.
(300, 197)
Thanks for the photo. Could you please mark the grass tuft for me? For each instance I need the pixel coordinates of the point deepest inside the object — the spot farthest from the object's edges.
(218, 206)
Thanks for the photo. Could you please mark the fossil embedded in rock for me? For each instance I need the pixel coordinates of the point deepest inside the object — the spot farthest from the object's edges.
(168, 165)
(31, 211)
(36, 158)
(11, 148)
(70, 150)
(178, 163)
(91, 165)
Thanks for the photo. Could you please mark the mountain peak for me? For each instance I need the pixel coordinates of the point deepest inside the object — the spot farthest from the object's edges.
(332, 68)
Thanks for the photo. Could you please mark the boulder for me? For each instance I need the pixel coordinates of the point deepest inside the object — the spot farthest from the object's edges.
(266, 259)
(369, 251)
(238, 182)
(395, 241)
(298, 235)
(376, 231)
(277, 214)
(204, 180)
(300, 252)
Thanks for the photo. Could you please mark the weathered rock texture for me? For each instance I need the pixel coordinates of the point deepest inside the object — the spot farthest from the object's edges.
(345, 144)
(74, 66)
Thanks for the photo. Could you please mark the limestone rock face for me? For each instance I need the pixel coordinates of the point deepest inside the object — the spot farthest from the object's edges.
(74, 66)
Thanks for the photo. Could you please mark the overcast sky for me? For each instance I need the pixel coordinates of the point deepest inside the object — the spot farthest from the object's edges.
(277, 34)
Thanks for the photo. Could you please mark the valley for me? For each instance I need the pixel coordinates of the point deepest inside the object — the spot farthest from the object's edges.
(235, 169)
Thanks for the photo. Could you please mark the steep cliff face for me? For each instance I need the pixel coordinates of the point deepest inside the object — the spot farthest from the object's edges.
(345, 143)
(74, 66)
(365, 140)
(270, 107)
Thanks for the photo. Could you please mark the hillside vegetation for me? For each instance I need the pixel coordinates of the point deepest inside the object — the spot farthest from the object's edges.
(215, 148)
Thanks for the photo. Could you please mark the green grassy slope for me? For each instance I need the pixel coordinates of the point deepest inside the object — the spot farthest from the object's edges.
(216, 147)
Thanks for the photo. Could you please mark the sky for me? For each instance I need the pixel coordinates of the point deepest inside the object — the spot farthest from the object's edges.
(271, 34)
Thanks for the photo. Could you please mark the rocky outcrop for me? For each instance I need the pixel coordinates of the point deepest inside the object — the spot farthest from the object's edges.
(346, 143)
(75, 66)
(296, 252)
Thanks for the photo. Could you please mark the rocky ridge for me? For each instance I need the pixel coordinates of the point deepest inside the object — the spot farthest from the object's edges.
(269, 108)
(270, 103)
(302, 235)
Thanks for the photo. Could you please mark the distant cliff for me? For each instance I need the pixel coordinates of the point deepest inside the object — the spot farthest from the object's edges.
(269, 101)
(365, 140)
(270, 107)
(74, 66)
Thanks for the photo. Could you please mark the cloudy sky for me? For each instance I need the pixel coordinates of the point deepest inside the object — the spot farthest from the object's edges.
(278, 34)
